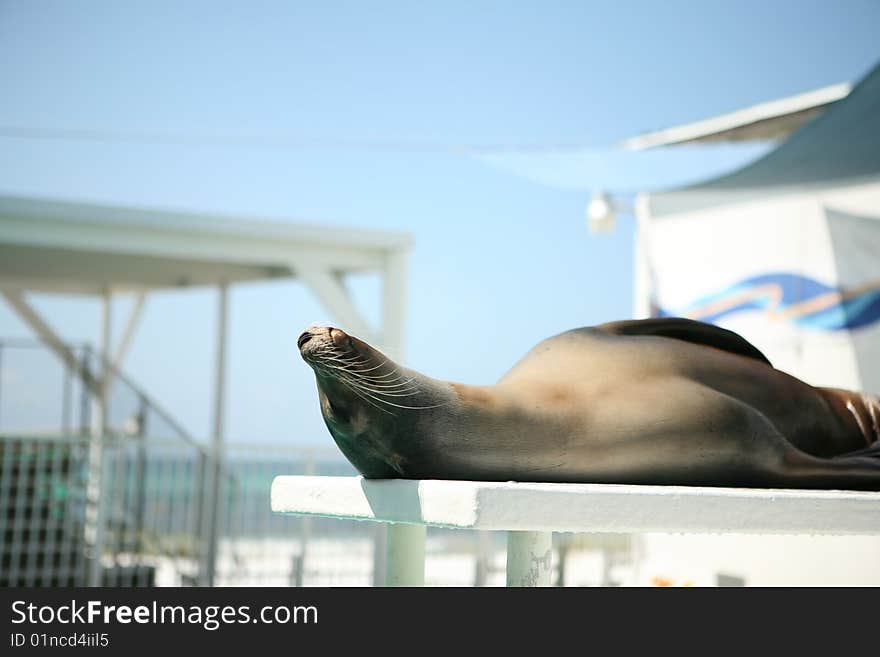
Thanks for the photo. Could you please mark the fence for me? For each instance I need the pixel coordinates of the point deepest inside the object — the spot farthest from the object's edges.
(120, 507)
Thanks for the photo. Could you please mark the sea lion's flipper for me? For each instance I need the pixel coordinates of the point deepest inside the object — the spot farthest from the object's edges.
(870, 452)
(854, 471)
(687, 330)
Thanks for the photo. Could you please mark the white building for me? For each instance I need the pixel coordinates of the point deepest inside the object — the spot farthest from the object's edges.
(785, 252)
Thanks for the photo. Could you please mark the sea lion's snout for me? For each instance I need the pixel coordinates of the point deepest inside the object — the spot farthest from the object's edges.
(317, 339)
(340, 338)
(312, 338)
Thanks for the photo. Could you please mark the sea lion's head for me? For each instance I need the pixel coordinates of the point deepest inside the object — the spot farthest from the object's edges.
(366, 398)
(348, 371)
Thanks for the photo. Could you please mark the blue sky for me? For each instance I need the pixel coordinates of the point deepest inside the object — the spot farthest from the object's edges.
(502, 257)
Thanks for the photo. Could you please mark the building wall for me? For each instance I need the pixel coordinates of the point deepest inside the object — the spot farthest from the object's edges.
(690, 264)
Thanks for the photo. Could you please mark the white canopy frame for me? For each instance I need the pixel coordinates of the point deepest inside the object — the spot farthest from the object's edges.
(99, 250)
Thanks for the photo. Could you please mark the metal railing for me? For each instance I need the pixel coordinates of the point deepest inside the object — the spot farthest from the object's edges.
(149, 527)
(149, 478)
(258, 547)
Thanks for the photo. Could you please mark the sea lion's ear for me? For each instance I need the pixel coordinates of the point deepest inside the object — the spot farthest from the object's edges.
(688, 330)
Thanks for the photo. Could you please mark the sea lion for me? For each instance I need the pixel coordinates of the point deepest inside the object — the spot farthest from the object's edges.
(658, 401)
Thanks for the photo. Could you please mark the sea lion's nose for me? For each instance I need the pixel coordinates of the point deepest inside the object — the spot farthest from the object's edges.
(304, 337)
(340, 338)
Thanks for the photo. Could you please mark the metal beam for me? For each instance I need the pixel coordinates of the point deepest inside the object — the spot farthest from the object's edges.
(394, 303)
(114, 365)
(128, 333)
(30, 317)
(332, 293)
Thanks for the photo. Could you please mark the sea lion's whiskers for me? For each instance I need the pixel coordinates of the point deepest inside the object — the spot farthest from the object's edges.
(334, 355)
(376, 377)
(390, 394)
(378, 380)
(363, 375)
(331, 354)
(333, 350)
(354, 360)
(384, 380)
(394, 393)
(350, 362)
(393, 375)
(356, 385)
(361, 395)
(394, 387)
(389, 391)
(381, 381)
(389, 377)
(415, 408)
(370, 369)
(395, 390)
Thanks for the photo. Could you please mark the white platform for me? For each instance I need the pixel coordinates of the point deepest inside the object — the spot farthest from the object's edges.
(531, 512)
(580, 507)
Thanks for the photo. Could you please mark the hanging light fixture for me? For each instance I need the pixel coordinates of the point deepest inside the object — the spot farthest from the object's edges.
(601, 213)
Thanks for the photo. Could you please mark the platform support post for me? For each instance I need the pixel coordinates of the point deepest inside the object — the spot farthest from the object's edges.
(405, 565)
(529, 558)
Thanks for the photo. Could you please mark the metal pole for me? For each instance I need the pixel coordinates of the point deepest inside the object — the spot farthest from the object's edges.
(215, 478)
(201, 521)
(1, 382)
(95, 502)
(66, 401)
(643, 294)
(393, 564)
(140, 478)
(305, 527)
(380, 554)
(529, 558)
(483, 555)
(85, 406)
(406, 555)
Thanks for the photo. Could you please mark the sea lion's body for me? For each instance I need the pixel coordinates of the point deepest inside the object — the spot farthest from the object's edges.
(653, 402)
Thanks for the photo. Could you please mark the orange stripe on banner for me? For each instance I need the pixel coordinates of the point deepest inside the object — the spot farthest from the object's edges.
(774, 293)
(772, 290)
